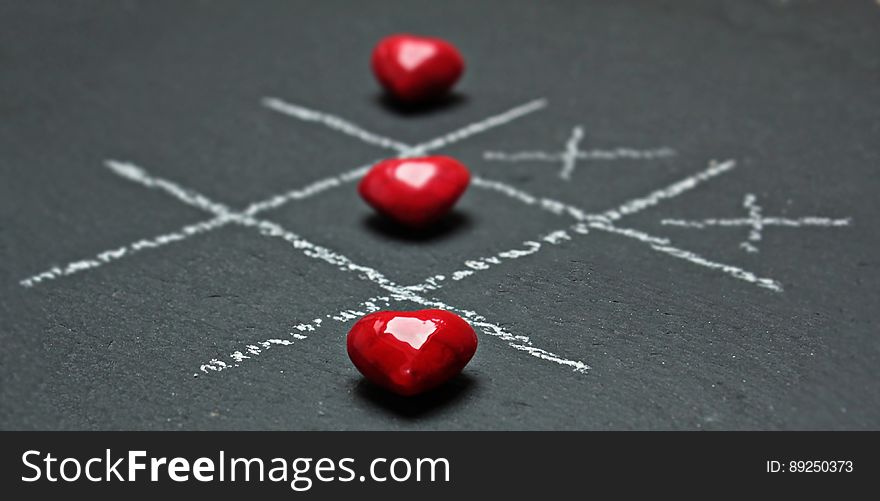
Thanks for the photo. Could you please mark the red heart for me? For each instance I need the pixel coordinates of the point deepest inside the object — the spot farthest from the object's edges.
(415, 191)
(414, 68)
(409, 352)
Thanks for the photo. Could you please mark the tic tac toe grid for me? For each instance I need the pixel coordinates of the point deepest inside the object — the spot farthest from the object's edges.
(419, 293)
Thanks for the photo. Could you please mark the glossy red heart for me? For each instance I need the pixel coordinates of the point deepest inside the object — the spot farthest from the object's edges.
(413, 68)
(409, 352)
(415, 191)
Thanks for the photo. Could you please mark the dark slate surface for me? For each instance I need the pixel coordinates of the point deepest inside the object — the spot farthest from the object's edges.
(787, 88)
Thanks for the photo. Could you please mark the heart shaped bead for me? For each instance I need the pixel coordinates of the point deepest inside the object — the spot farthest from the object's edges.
(413, 68)
(410, 352)
(415, 191)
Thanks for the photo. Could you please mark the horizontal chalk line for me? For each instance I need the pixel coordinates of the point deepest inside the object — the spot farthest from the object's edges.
(592, 154)
(765, 221)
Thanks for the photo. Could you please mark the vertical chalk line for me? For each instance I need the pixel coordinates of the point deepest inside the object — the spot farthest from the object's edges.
(136, 174)
(749, 203)
(569, 158)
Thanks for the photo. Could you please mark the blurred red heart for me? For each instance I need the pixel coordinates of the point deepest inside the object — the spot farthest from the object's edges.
(413, 68)
(409, 352)
(415, 191)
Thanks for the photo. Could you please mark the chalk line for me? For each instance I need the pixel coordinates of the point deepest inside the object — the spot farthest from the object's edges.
(479, 127)
(733, 271)
(299, 332)
(621, 153)
(138, 175)
(626, 154)
(749, 203)
(523, 156)
(546, 355)
(309, 190)
(309, 249)
(131, 172)
(629, 233)
(639, 204)
(765, 221)
(569, 158)
(111, 255)
(336, 123)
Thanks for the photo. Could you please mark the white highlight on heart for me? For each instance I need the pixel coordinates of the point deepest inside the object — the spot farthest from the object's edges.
(414, 52)
(412, 331)
(415, 174)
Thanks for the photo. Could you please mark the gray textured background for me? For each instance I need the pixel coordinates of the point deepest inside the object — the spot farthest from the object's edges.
(788, 89)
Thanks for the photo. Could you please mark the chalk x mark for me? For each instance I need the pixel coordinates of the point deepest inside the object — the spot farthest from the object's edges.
(757, 222)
